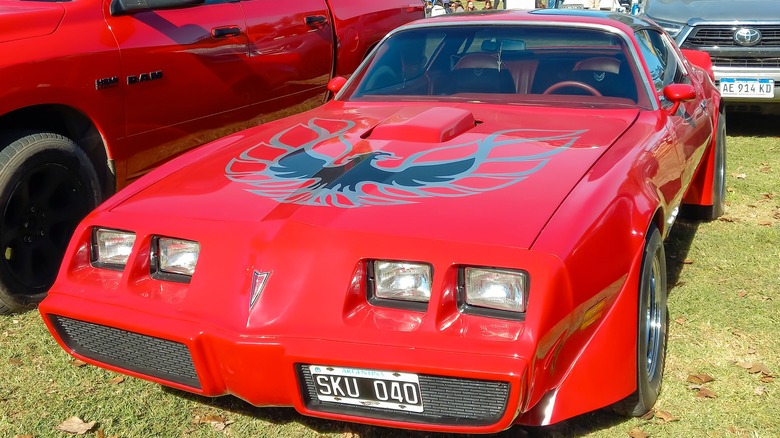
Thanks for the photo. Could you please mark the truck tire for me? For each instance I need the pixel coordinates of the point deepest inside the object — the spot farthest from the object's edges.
(47, 185)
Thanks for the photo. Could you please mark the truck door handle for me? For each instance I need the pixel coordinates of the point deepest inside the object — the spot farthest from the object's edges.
(225, 31)
(317, 21)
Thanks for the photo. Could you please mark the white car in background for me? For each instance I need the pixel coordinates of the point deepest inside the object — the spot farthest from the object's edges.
(602, 5)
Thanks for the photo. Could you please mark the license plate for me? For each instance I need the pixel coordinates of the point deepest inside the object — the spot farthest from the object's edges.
(364, 387)
(744, 87)
(573, 6)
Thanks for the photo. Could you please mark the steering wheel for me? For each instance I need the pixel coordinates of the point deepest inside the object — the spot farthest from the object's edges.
(575, 84)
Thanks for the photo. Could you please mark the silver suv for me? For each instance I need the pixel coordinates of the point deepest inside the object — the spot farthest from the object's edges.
(742, 38)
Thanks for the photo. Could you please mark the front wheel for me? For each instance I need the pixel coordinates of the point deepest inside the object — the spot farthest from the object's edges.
(652, 327)
(47, 185)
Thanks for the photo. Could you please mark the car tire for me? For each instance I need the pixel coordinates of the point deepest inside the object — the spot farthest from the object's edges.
(714, 211)
(47, 185)
(652, 328)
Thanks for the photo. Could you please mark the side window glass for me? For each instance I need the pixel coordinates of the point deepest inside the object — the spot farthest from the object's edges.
(656, 55)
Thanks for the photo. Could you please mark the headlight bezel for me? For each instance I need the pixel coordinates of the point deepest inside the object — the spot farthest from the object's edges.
(673, 28)
(156, 268)
(467, 308)
(95, 248)
(375, 298)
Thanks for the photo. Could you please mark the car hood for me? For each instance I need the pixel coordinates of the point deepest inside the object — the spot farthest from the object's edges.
(470, 173)
(20, 20)
(721, 10)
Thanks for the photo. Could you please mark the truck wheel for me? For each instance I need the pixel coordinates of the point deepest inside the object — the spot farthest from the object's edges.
(47, 185)
(652, 328)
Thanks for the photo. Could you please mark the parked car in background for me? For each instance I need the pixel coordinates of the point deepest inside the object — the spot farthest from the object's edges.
(601, 5)
(742, 38)
(98, 92)
(470, 235)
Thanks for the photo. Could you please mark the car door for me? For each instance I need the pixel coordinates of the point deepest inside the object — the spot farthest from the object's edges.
(183, 70)
(691, 123)
(291, 54)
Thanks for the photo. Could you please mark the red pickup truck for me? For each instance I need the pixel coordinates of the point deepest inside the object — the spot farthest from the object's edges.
(97, 92)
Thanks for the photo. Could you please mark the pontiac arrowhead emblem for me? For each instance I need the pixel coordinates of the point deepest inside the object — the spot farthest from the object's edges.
(259, 279)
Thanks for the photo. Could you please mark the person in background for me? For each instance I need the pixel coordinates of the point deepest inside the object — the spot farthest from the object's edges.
(488, 5)
(470, 6)
(428, 7)
(438, 9)
(457, 6)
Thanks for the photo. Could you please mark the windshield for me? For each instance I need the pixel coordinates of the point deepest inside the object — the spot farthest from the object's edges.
(499, 64)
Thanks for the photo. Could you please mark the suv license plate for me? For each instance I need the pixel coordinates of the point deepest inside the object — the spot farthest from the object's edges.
(371, 388)
(744, 87)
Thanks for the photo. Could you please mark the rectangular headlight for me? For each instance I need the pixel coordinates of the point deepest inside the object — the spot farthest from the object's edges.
(402, 281)
(501, 290)
(175, 258)
(111, 248)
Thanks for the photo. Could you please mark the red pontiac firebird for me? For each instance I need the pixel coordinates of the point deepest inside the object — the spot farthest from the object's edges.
(468, 236)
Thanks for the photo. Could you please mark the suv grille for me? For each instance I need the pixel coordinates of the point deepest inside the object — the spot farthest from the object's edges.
(447, 401)
(143, 354)
(723, 36)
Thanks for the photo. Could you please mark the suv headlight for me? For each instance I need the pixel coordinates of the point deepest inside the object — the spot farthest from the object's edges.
(494, 292)
(673, 28)
(400, 284)
(174, 259)
(111, 248)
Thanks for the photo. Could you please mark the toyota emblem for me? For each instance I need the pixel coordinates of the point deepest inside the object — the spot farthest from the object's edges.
(747, 36)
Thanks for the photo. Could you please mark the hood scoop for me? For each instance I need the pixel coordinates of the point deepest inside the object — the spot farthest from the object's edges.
(434, 125)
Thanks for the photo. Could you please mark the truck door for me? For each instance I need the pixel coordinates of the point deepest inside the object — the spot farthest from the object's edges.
(291, 50)
(183, 71)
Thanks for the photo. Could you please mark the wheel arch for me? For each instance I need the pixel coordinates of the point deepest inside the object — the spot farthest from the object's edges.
(71, 123)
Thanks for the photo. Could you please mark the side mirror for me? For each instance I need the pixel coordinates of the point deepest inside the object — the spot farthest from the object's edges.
(678, 93)
(123, 7)
(336, 84)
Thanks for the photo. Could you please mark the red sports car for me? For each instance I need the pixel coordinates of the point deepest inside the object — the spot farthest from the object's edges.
(468, 236)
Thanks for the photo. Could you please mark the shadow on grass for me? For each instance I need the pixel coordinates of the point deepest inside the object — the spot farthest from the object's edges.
(752, 125)
(581, 425)
(677, 247)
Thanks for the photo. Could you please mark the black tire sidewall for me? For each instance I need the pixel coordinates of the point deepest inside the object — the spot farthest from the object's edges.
(648, 387)
(30, 151)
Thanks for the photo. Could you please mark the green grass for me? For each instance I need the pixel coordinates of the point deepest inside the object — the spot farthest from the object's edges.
(724, 306)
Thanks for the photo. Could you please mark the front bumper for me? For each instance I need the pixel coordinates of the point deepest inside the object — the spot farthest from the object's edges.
(461, 391)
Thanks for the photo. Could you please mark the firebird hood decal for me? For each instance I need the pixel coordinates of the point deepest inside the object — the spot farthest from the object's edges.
(316, 164)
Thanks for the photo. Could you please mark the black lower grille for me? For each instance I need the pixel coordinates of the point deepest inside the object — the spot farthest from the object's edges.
(143, 354)
(447, 401)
